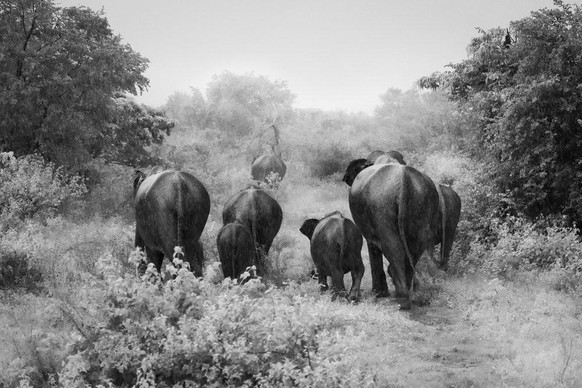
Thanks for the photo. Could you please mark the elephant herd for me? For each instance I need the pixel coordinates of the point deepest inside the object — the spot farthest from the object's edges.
(398, 210)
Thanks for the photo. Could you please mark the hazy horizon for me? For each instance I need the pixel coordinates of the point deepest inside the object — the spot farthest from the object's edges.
(333, 54)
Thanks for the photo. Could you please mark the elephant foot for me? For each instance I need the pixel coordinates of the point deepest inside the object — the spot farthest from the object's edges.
(382, 294)
(354, 296)
(405, 305)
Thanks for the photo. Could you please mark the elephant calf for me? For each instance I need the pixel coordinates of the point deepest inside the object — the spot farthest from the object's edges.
(236, 249)
(336, 245)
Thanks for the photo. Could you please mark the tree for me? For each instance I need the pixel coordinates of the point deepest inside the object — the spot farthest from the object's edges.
(132, 128)
(60, 69)
(526, 95)
(415, 120)
(241, 104)
(187, 109)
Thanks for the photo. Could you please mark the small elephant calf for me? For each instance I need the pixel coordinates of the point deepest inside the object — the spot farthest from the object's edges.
(336, 245)
(236, 249)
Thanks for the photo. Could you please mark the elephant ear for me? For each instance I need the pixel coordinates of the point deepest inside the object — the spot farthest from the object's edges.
(139, 176)
(353, 169)
(308, 227)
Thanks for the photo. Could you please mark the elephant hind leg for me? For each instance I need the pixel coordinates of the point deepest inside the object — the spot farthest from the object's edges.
(337, 281)
(322, 281)
(195, 257)
(357, 275)
(153, 256)
(399, 265)
(379, 285)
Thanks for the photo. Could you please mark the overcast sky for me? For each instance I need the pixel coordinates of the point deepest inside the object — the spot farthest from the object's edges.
(334, 54)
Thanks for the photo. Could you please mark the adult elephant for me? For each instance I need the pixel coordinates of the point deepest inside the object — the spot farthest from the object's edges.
(385, 157)
(236, 249)
(261, 214)
(267, 164)
(171, 209)
(450, 208)
(336, 246)
(396, 208)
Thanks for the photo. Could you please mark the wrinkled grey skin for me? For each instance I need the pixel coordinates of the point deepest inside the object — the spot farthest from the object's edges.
(450, 208)
(385, 157)
(265, 164)
(236, 249)
(396, 208)
(260, 214)
(336, 246)
(171, 209)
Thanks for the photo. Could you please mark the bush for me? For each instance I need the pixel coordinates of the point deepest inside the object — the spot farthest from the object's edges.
(110, 191)
(16, 272)
(190, 332)
(328, 160)
(30, 187)
(522, 246)
(66, 253)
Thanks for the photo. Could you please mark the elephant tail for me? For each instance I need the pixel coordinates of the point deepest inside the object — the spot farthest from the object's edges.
(258, 254)
(402, 215)
(443, 211)
(343, 241)
(180, 208)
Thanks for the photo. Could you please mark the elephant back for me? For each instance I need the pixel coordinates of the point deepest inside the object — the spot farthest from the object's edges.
(335, 233)
(265, 164)
(257, 210)
(173, 194)
(395, 197)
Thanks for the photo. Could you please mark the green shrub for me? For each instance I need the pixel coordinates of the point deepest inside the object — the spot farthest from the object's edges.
(522, 246)
(329, 159)
(66, 253)
(16, 272)
(187, 331)
(31, 187)
(110, 191)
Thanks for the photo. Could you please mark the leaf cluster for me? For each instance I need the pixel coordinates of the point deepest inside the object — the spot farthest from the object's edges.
(60, 69)
(524, 96)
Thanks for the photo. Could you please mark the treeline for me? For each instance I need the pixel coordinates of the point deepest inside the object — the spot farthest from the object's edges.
(66, 78)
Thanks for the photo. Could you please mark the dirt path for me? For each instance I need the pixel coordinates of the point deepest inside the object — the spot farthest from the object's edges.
(475, 334)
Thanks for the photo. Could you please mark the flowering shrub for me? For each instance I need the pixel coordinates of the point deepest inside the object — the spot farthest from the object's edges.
(151, 331)
(31, 187)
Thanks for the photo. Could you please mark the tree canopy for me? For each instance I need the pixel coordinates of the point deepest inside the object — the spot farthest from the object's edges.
(523, 85)
(61, 70)
(240, 104)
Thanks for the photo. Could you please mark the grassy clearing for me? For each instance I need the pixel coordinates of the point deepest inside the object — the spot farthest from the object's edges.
(462, 331)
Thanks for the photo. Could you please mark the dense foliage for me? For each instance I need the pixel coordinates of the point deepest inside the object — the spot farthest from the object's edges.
(32, 188)
(60, 69)
(523, 85)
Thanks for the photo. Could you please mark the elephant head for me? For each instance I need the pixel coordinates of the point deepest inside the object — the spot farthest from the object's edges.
(386, 157)
(336, 245)
(171, 209)
(353, 169)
